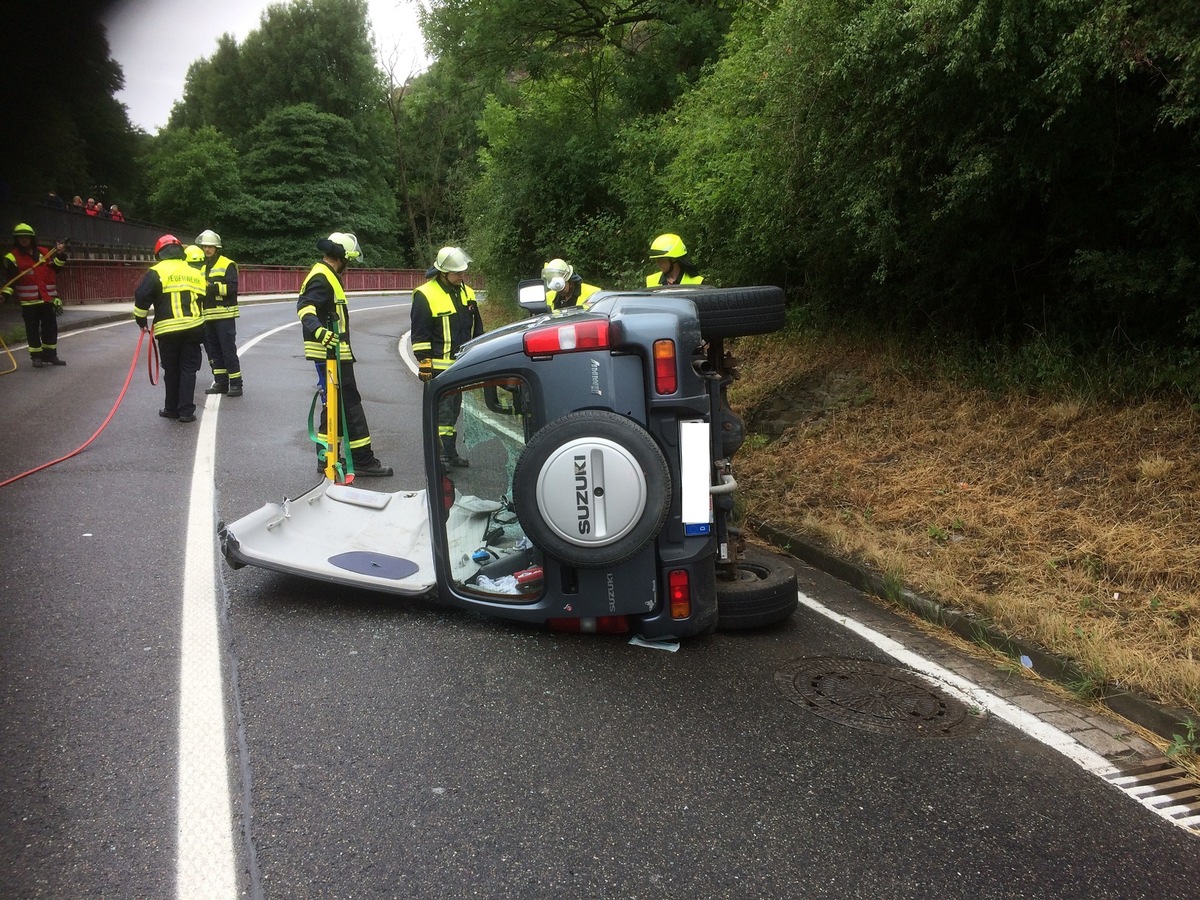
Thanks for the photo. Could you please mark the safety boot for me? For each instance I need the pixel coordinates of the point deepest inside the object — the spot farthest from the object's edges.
(373, 469)
(235, 388)
(450, 455)
(217, 387)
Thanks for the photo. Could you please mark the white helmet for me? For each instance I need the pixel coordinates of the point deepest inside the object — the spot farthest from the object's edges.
(556, 274)
(208, 238)
(452, 259)
(348, 243)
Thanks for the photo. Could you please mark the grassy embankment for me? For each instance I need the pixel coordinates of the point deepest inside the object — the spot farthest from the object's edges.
(1074, 523)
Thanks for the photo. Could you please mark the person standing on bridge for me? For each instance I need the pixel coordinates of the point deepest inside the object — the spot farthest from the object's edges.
(443, 317)
(325, 321)
(220, 316)
(29, 272)
(174, 289)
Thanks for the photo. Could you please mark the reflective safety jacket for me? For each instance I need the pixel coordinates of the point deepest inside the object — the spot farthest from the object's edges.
(38, 285)
(221, 298)
(582, 292)
(173, 289)
(322, 304)
(655, 279)
(444, 317)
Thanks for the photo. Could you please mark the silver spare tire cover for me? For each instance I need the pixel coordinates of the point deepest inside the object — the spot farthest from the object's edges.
(591, 492)
(592, 488)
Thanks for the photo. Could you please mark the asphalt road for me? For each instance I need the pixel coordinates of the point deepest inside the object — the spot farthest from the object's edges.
(376, 747)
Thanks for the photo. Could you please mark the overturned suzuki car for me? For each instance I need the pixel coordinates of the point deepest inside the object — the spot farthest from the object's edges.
(600, 487)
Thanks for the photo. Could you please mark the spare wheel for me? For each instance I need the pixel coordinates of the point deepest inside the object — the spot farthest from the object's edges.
(592, 489)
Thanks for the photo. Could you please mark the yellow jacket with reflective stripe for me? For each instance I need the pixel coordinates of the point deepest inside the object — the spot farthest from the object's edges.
(439, 327)
(223, 275)
(322, 302)
(655, 279)
(173, 289)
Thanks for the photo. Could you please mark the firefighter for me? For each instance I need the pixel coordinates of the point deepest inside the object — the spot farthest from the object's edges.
(220, 317)
(29, 274)
(444, 316)
(674, 264)
(564, 289)
(174, 290)
(325, 320)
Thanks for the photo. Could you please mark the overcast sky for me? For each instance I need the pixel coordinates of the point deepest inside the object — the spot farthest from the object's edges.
(155, 68)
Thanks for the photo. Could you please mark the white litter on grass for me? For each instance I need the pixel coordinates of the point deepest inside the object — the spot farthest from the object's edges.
(669, 646)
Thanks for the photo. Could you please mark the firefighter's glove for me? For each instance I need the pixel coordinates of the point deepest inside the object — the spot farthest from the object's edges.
(58, 309)
(328, 338)
(425, 370)
(141, 323)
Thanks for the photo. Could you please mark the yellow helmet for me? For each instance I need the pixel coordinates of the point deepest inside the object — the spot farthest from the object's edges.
(193, 254)
(669, 246)
(23, 229)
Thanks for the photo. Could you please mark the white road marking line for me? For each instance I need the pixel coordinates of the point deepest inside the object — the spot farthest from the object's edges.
(204, 866)
(1026, 722)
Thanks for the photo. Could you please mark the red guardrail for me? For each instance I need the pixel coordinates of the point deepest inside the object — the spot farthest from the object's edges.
(98, 281)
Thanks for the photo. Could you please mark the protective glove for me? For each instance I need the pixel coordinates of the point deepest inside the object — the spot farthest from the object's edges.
(328, 338)
(425, 369)
(58, 307)
(141, 323)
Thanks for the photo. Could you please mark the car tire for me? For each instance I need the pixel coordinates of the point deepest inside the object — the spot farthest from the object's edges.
(738, 312)
(573, 516)
(763, 593)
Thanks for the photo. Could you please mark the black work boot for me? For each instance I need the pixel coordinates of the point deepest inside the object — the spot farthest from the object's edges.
(218, 387)
(450, 455)
(373, 469)
(37, 361)
(235, 388)
(54, 361)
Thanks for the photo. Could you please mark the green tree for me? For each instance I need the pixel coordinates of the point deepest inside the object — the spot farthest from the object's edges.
(307, 175)
(64, 128)
(194, 177)
(435, 145)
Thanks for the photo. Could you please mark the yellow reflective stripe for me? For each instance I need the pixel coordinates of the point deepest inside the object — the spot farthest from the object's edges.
(360, 443)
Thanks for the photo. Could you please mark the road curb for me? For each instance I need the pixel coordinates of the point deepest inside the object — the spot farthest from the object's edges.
(1164, 721)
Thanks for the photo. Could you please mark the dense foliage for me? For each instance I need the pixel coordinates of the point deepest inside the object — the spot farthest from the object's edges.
(64, 129)
(1000, 170)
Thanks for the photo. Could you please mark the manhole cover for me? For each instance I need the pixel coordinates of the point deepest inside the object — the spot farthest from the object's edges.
(875, 697)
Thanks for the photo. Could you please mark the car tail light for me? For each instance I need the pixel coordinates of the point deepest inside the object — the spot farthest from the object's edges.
(679, 590)
(666, 380)
(551, 339)
(588, 625)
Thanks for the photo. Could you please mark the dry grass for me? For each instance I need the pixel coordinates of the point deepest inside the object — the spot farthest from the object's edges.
(1072, 524)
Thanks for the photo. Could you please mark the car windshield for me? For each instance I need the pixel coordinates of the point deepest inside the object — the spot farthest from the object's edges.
(487, 423)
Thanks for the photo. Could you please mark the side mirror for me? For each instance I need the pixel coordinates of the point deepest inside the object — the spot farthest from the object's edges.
(531, 294)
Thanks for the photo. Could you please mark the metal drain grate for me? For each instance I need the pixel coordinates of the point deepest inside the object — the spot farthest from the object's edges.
(1163, 787)
(875, 697)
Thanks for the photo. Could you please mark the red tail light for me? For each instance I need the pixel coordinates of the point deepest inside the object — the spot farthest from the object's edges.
(569, 338)
(679, 591)
(666, 379)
